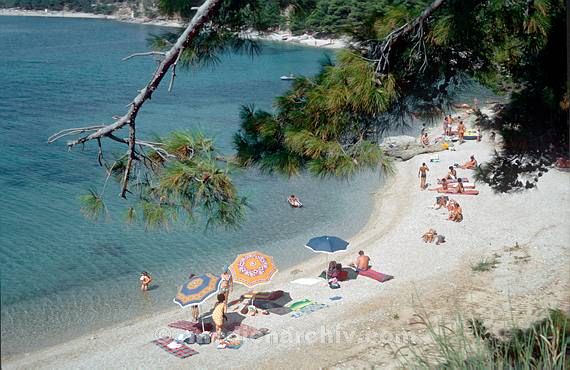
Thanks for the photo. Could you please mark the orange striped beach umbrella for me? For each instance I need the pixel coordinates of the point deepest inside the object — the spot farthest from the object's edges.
(253, 268)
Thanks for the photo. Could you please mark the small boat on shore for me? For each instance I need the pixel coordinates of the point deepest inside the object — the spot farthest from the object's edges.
(288, 78)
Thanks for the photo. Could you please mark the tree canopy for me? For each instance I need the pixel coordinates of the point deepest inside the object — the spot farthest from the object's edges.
(407, 58)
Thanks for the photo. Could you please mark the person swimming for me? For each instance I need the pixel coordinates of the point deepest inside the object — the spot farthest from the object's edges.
(294, 201)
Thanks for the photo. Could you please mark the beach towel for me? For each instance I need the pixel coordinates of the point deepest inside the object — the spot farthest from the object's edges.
(194, 327)
(263, 296)
(306, 281)
(453, 191)
(451, 181)
(232, 342)
(375, 275)
(279, 310)
(181, 351)
(300, 304)
(247, 331)
(313, 307)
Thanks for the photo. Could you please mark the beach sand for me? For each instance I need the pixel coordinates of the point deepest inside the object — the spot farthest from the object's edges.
(527, 232)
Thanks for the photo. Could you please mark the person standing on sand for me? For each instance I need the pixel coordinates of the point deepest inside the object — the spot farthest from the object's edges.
(422, 174)
(227, 285)
(461, 131)
(219, 315)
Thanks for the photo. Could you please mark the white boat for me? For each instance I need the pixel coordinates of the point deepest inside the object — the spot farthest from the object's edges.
(287, 78)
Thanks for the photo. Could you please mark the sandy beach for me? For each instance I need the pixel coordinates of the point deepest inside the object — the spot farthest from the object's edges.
(281, 36)
(526, 232)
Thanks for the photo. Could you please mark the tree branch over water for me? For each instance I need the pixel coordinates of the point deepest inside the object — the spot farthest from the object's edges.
(204, 12)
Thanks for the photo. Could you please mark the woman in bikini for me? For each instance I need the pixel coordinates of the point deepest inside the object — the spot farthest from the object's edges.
(425, 140)
(422, 174)
(459, 188)
(452, 174)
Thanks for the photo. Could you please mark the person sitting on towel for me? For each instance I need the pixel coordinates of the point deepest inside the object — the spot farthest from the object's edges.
(362, 262)
(452, 174)
(332, 271)
(470, 164)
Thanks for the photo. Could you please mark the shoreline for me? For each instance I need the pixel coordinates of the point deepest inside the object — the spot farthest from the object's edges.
(284, 37)
(391, 237)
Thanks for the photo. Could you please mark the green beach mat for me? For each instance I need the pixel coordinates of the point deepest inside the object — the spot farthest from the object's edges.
(296, 306)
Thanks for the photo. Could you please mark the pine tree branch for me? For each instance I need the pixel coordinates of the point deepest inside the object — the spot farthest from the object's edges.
(204, 12)
(382, 50)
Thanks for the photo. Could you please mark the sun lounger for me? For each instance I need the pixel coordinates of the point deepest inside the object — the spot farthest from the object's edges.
(194, 327)
(375, 275)
(179, 350)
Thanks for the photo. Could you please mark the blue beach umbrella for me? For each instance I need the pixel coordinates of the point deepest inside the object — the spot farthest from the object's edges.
(197, 290)
(327, 244)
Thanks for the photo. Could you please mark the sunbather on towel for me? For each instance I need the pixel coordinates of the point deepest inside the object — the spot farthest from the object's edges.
(362, 262)
(452, 174)
(429, 236)
(456, 213)
(470, 164)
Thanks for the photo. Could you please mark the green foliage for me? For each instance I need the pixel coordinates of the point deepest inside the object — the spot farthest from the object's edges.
(181, 180)
(544, 345)
(325, 124)
(485, 264)
(93, 206)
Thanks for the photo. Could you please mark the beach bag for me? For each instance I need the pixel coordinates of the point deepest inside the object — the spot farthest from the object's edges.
(190, 339)
(203, 338)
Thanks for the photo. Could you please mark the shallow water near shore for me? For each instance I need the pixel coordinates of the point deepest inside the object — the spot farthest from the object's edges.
(63, 276)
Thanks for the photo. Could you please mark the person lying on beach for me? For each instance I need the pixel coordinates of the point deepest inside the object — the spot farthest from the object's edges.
(145, 280)
(422, 174)
(444, 186)
(432, 235)
(452, 174)
(362, 262)
(219, 315)
(470, 164)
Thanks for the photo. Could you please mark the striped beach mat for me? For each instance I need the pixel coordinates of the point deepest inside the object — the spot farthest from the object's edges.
(181, 352)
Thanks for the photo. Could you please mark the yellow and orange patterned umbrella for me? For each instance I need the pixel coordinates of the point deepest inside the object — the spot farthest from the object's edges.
(253, 268)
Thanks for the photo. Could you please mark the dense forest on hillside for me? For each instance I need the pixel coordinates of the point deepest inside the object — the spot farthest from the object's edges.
(332, 17)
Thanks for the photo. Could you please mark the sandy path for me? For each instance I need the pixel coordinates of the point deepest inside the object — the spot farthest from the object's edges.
(528, 279)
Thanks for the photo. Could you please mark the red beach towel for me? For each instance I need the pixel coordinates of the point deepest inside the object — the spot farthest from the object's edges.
(180, 352)
(378, 276)
(194, 327)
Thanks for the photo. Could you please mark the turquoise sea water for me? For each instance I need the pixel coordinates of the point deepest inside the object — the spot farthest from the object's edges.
(61, 275)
